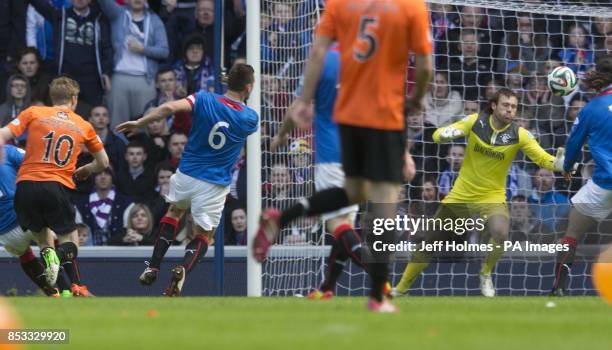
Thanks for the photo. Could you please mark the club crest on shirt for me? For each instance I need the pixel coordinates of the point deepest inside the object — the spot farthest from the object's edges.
(505, 138)
(62, 115)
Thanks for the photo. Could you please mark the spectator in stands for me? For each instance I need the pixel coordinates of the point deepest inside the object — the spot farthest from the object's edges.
(577, 52)
(471, 18)
(29, 64)
(39, 32)
(470, 107)
(194, 70)
(605, 48)
(601, 27)
(490, 90)
(550, 208)
(454, 159)
(114, 143)
(234, 23)
(300, 156)
(157, 202)
(167, 90)
(12, 37)
(561, 133)
(442, 21)
(138, 230)
(547, 109)
(17, 98)
(469, 72)
(176, 146)
(84, 235)
(104, 209)
(279, 193)
(518, 182)
(139, 43)
(238, 232)
(521, 225)
(179, 17)
(426, 201)
(425, 152)
(136, 180)
(82, 46)
(524, 46)
(442, 103)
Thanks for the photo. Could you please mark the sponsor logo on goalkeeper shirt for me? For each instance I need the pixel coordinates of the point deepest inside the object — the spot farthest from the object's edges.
(489, 152)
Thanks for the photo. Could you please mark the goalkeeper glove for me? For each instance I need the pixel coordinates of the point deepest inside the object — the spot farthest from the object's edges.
(450, 133)
(560, 159)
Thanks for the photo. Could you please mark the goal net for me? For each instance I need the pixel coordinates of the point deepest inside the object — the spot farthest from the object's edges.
(479, 46)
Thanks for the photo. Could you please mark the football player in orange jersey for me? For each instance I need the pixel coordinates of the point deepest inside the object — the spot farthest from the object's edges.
(46, 175)
(375, 39)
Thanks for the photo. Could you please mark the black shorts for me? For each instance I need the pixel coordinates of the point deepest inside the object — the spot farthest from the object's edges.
(376, 155)
(41, 204)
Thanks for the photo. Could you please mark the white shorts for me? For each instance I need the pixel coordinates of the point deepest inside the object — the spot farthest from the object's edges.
(593, 201)
(328, 175)
(205, 199)
(15, 241)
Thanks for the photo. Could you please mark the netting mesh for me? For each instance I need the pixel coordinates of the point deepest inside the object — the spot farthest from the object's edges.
(480, 46)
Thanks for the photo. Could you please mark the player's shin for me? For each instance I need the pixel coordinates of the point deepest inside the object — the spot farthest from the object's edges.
(563, 266)
(165, 236)
(492, 257)
(321, 202)
(194, 251)
(418, 263)
(35, 271)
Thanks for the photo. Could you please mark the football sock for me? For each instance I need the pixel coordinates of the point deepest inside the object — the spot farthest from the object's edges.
(492, 257)
(165, 236)
(378, 274)
(67, 251)
(564, 262)
(62, 281)
(35, 271)
(194, 251)
(418, 263)
(321, 202)
(72, 270)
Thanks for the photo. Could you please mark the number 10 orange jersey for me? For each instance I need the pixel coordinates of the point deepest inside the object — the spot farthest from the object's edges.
(375, 39)
(55, 136)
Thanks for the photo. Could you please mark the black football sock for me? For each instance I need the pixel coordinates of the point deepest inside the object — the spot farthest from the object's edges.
(67, 251)
(165, 236)
(335, 266)
(62, 281)
(378, 274)
(35, 271)
(564, 263)
(72, 270)
(194, 251)
(321, 202)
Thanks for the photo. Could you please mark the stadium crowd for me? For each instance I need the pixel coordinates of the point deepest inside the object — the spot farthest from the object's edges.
(131, 55)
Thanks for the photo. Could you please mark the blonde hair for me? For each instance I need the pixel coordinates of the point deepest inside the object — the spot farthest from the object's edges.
(62, 89)
(134, 210)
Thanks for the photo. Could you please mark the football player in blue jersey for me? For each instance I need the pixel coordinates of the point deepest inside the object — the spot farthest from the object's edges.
(593, 203)
(220, 126)
(12, 237)
(328, 174)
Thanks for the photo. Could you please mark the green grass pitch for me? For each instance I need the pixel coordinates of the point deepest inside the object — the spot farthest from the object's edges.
(517, 323)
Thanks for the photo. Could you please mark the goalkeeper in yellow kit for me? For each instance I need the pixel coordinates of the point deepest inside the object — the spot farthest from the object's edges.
(493, 141)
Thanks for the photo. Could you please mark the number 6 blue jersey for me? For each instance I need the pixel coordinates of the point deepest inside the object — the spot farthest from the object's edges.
(219, 129)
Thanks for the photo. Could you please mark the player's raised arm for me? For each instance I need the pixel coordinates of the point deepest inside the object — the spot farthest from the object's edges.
(163, 111)
(576, 139)
(455, 130)
(303, 109)
(538, 155)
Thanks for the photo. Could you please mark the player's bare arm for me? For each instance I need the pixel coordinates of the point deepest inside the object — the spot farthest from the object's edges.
(286, 128)
(424, 70)
(304, 112)
(163, 111)
(99, 163)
